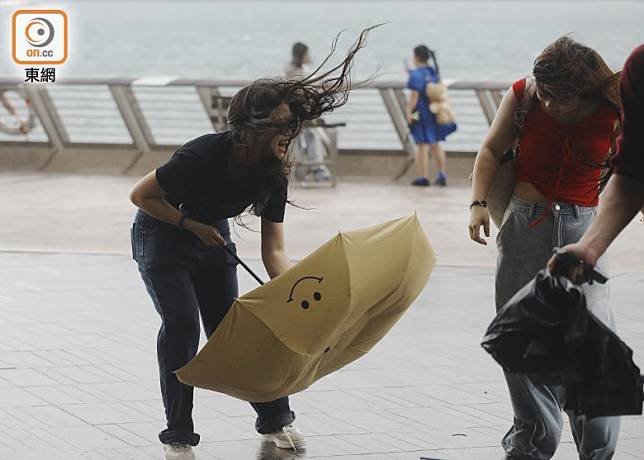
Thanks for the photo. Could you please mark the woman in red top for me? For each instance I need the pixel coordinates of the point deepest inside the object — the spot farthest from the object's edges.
(625, 191)
(564, 143)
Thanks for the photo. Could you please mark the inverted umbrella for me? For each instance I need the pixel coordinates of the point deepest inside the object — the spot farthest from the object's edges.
(323, 313)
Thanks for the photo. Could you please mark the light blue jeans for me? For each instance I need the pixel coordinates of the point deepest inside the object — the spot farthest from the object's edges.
(522, 252)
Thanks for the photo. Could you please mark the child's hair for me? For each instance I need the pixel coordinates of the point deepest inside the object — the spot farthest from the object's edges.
(422, 53)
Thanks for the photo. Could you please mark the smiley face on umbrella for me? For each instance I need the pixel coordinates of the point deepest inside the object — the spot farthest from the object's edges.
(305, 290)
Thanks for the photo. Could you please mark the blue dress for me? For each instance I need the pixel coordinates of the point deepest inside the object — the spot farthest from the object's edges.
(426, 130)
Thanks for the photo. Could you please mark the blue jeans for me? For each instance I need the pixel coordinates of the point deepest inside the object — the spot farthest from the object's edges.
(522, 252)
(185, 280)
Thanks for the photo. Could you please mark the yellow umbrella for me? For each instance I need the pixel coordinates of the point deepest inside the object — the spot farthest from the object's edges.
(323, 313)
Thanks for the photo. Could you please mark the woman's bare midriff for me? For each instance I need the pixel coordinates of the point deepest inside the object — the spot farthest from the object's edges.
(526, 191)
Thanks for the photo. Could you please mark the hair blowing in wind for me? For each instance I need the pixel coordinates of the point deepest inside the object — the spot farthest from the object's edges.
(253, 123)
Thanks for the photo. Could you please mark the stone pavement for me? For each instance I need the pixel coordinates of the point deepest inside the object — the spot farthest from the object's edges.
(78, 377)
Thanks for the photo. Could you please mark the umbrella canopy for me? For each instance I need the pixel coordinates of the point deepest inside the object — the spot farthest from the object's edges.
(323, 313)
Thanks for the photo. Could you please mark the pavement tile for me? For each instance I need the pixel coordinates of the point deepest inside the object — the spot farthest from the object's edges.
(325, 424)
(44, 416)
(26, 377)
(17, 397)
(104, 413)
(85, 437)
(124, 435)
(63, 394)
(23, 359)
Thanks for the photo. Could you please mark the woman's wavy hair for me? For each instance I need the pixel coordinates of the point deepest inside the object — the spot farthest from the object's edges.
(567, 69)
(252, 121)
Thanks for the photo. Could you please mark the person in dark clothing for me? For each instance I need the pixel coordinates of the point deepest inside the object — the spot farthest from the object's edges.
(181, 226)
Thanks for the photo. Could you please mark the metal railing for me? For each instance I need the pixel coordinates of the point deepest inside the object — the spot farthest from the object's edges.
(152, 113)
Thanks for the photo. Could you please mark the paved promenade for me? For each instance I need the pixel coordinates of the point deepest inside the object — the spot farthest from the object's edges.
(78, 377)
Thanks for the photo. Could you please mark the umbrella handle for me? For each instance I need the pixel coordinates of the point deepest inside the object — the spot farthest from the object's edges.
(567, 260)
(182, 208)
(241, 262)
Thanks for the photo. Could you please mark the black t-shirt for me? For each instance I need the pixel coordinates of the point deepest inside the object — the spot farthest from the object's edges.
(198, 176)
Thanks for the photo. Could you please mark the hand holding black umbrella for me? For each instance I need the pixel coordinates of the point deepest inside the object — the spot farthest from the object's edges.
(576, 270)
(546, 331)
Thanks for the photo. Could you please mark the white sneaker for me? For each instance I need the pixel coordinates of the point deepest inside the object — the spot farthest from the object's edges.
(289, 437)
(179, 452)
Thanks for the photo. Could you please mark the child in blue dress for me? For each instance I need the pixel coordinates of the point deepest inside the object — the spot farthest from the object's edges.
(426, 131)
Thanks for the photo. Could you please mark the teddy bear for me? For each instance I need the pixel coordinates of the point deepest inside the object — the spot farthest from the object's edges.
(438, 103)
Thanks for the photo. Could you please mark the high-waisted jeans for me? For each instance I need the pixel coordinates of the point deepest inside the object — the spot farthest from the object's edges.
(185, 280)
(522, 252)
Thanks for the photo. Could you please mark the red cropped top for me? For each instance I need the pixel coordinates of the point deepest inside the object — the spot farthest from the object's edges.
(563, 161)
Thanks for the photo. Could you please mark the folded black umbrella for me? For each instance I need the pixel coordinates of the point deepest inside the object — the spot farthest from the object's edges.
(546, 331)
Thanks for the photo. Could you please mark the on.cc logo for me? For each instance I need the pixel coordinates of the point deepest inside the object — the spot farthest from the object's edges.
(39, 37)
(39, 32)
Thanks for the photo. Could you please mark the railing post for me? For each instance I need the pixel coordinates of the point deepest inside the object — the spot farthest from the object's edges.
(498, 97)
(395, 107)
(48, 116)
(394, 101)
(206, 94)
(132, 117)
(488, 104)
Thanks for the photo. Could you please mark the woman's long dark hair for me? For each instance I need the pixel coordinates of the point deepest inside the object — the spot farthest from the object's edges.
(567, 69)
(252, 122)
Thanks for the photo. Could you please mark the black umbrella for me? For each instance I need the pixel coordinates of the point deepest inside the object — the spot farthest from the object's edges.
(546, 331)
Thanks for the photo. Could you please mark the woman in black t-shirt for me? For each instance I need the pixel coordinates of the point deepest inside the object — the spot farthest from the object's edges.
(182, 223)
